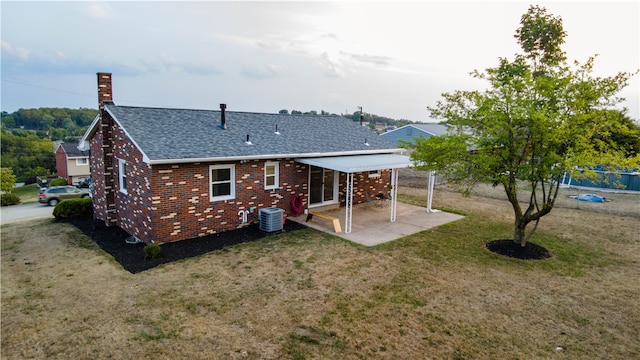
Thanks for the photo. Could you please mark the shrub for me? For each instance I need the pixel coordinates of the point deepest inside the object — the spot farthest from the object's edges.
(151, 251)
(7, 180)
(58, 182)
(74, 209)
(9, 199)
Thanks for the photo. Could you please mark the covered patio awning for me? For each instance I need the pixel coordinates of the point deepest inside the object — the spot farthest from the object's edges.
(359, 163)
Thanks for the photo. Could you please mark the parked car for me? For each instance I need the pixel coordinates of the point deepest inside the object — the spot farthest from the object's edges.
(54, 194)
(85, 183)
(43, 181)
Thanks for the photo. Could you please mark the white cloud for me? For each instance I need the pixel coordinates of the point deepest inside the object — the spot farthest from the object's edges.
(330, 67)
(20, 53)
(267, 71)
(99, 10)
(236, 39)
(166, 63)
(268, 45)
(376, 60)
(168, 59)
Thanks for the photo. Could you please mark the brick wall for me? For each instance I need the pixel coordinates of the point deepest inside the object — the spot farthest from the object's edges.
(61, 163)
(133, 205)
(363, 185)
(96, 164)
(181, 207)
(181, 203)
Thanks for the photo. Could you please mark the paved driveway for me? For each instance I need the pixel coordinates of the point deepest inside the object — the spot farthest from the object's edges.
(9, 214)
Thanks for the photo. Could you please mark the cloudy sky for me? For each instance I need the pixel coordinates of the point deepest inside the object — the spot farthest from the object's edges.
(392, 58)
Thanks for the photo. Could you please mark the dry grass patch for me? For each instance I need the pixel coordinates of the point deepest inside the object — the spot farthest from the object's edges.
(309, 295)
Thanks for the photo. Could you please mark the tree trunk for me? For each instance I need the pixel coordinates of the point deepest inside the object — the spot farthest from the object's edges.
(520, 218)
(518, 231)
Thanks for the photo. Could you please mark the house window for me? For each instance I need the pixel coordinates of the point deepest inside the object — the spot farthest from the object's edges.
(82, 161)
(374, 174)
(271, 175)
(122, 175)
(222, 185)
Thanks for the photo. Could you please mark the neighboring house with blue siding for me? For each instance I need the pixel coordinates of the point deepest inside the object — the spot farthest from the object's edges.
(410, 133)
(413, 131)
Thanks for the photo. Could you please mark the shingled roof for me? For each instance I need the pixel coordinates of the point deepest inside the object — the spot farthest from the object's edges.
(72, 150)
(178, 135)
(411, 132)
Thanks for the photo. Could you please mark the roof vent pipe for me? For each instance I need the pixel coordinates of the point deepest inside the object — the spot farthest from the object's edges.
(223, 120)
(248, 142)
(360, 107)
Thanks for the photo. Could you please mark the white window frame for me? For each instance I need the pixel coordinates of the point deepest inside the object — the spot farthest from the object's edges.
(122, 175)
(275, 175)
(231, 181)
(82, 161)
(375, 174)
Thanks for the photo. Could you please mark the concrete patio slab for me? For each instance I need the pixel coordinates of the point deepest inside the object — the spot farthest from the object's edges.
(371, 223)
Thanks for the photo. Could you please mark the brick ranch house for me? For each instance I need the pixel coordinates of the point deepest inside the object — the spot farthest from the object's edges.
(71, 163)
(166, 175)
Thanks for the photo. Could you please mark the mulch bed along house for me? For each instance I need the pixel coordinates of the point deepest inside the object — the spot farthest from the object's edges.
(131, 256)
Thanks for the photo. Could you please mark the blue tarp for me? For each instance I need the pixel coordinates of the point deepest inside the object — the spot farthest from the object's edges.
(590, 197)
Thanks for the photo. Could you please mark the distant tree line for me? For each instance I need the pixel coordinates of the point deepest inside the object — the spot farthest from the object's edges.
(27, 154)
(57, 124)
(371, 119)
(28, 137)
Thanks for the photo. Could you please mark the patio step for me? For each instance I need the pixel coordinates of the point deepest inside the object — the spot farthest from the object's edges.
(336, 222)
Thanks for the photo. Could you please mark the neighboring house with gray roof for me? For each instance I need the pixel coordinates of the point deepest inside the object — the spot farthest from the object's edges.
(166, 175)
(411, 132)
(71, 163)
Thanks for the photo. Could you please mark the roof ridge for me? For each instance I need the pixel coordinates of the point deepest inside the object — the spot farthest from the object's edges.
(218, 110)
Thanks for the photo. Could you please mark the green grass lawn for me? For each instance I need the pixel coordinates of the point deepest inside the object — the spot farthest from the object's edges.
(463, 242)
(305, 294)
(27, 194)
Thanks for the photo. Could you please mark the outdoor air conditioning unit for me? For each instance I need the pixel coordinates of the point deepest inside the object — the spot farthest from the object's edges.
(270, 219)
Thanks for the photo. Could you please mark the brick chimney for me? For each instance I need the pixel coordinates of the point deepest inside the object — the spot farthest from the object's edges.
(105, 94)
(104, 174)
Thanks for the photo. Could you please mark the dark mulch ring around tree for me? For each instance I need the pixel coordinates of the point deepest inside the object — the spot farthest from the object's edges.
(131, 256)
(508, 247)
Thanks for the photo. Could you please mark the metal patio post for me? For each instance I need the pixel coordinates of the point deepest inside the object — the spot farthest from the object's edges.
(348, 211)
